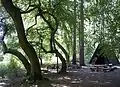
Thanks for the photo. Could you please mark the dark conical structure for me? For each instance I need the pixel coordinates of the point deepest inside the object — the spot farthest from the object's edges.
(100, 58)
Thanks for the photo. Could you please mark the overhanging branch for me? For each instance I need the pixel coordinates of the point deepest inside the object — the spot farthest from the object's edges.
(28, 11)
(32, 25)
(19, 55)
(50, 51)
(42, 16)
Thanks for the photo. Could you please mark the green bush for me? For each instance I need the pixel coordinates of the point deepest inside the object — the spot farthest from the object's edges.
(3, 70)
(11, 70)
(13, 66)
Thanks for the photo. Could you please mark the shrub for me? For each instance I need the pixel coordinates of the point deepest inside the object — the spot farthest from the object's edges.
(11, 70)
(3, 70)
(14, 69)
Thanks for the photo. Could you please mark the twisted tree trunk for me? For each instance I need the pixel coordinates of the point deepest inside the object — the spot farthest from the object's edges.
(25, 45)
(20, 56)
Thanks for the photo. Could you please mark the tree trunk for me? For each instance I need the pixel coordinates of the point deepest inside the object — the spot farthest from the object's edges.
(64, 51)
(74, 35)
(63, 69)
(52, 40)
(25, 45)
(81, 43)
(20, 56)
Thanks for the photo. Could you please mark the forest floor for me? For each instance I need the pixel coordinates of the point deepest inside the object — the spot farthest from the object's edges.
(73, 78)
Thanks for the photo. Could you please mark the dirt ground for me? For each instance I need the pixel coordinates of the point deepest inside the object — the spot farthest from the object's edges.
(73, 78)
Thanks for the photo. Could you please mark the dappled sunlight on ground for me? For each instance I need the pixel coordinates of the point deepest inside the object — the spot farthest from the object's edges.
(60, 85)
(75, 78)
(66, 77)
(4, 82)
(86, 78)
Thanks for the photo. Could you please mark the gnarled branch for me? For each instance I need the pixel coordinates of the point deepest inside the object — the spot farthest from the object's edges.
(19, 55)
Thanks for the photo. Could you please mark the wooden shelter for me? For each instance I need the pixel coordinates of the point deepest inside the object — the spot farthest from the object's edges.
(100, 58)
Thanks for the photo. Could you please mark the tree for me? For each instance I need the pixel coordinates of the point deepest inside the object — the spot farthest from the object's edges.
(15, 13)
(104, 20)
(81, 39)
(53, 23)
(74, 35)
(20, 56)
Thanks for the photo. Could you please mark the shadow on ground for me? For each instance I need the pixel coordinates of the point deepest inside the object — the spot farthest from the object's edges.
(75, 78)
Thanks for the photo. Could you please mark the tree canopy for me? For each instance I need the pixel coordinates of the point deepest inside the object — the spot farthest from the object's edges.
(67, 29)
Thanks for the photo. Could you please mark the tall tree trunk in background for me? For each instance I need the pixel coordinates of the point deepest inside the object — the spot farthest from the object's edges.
(81, 43)
(74, 35)
(25, 45)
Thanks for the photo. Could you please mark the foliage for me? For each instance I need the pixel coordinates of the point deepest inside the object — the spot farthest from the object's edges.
(101, 25)
(11, 69)
(104, 19)
(13, 65)
(3, 70)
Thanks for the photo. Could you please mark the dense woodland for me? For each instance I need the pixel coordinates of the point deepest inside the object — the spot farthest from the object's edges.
(70, 30)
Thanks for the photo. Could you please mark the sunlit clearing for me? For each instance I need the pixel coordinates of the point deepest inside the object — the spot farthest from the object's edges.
(74, 82)
(60, 78)
(67, 78)
(53, 70)
(72, 71)
(59, 85)
(2, 83)
(34, 86)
